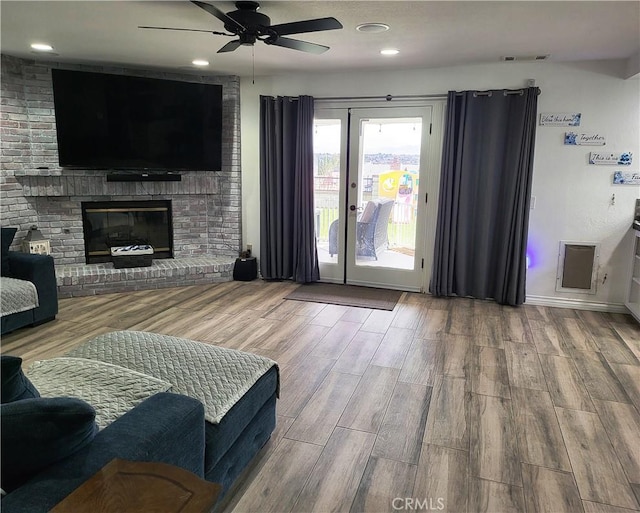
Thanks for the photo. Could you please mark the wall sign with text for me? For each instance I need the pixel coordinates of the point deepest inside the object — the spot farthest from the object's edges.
(589, 139)
(560, 119)
(612, 159)
(624, 178)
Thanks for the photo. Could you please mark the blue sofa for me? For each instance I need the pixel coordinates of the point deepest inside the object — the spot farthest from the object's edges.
(168, 428)
(39, 270)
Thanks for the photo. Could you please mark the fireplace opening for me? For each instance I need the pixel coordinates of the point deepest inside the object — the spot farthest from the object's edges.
(121, 223)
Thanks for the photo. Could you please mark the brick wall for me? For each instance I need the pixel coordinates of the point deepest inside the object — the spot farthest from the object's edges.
(35, 190)
(15, 136)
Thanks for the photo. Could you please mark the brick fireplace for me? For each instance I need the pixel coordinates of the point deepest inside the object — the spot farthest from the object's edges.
(205, 228)
(205, 205)
(205, 209)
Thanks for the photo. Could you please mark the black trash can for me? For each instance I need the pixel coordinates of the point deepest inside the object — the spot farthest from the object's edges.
(245, 269)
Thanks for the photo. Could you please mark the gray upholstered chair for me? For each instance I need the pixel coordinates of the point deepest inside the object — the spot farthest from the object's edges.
(371, 229)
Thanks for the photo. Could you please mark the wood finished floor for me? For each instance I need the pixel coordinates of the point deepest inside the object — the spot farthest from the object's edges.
(457, 404)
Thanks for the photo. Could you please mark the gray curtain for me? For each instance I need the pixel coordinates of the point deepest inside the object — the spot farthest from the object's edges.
(287, 231)
(485, 190)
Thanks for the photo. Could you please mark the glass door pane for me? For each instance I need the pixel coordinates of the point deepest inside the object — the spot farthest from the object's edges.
(389, 180)
(328, 169)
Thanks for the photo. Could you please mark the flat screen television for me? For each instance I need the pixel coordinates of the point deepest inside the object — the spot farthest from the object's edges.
(121, 122)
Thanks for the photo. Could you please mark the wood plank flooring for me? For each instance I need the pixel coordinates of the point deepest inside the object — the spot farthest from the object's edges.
(450, 405)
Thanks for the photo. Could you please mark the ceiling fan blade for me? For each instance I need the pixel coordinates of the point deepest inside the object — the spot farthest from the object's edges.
(230, 46)
(296, 44)
(300, 27)
(172, 28)
(214, 11)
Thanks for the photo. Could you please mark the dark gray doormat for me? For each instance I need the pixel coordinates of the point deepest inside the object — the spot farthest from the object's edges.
(347, 295)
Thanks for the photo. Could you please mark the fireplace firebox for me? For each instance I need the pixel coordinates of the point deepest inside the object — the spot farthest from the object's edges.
(121, 223)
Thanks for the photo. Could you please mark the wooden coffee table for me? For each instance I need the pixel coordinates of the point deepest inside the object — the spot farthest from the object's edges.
(133, 486)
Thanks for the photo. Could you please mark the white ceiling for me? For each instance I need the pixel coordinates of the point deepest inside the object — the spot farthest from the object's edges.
(428, 34)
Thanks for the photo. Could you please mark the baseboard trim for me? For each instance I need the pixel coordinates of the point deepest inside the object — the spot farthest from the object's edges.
(556, 302)
(576, 304)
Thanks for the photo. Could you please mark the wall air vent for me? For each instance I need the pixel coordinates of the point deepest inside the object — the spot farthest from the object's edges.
(577, 267)
(509, 58)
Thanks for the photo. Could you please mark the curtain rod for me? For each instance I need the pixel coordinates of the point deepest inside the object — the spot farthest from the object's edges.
(505, 92)
(390, 97)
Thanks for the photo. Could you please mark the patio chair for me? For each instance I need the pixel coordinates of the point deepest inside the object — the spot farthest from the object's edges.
(371, 229)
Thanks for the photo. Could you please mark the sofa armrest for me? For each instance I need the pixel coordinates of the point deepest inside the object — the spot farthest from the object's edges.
(30, 267)
(167, 428)
(39, 270)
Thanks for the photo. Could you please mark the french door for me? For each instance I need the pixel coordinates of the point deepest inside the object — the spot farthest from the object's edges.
(373, 171)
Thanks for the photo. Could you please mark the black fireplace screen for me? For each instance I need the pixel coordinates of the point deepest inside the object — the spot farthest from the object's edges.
(121, 223)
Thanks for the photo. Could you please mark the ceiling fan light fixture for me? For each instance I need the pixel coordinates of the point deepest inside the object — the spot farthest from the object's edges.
(200, 62)
(42, 47)
(389, 51)
(372, 28)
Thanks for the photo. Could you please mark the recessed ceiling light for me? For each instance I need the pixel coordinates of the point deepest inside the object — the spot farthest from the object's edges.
(390, 51)
(42, 47)
(200, 62)
(372, 28)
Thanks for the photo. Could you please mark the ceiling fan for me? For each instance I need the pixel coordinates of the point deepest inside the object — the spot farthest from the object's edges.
(250, 26)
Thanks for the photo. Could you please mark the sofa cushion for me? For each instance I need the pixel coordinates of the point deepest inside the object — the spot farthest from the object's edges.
(7, 238)
(15, 385)
(38, 432)
(112, 390)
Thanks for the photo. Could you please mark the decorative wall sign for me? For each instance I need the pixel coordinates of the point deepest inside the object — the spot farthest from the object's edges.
(613, 159)
(625, 178)
(560, 119)
(592, 139)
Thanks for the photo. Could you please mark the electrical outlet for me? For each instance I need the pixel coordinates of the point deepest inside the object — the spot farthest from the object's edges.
(533, 203)
(249, 247)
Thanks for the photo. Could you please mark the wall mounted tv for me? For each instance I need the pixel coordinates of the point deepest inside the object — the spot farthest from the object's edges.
(121, 122)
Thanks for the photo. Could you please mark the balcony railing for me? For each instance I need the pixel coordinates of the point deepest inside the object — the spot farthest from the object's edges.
(400, 233)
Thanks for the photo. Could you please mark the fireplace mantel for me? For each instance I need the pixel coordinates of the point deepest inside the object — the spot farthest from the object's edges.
(94, 183)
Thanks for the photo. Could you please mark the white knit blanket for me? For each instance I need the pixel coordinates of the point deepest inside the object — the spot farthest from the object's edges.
(216, 376)
(17, 296)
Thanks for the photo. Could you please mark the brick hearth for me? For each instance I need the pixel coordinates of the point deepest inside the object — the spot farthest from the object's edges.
(86, 280)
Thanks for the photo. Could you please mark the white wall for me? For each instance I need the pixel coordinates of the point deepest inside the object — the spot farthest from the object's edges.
(573, 199)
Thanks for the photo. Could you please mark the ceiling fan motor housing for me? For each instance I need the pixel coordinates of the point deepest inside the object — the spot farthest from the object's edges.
(255, 23)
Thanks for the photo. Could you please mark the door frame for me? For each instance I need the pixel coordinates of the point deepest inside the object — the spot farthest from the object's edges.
(382, 276)
(431, 158)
